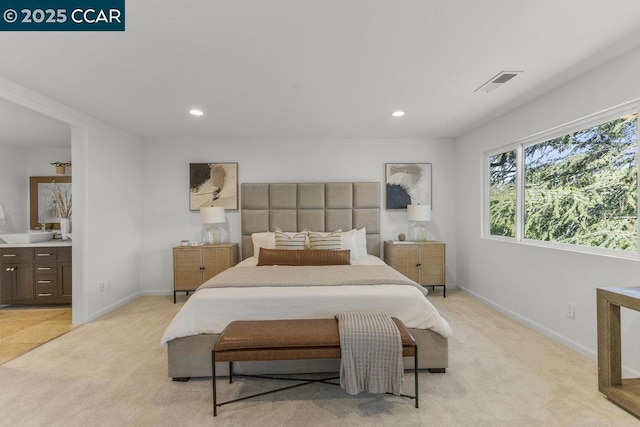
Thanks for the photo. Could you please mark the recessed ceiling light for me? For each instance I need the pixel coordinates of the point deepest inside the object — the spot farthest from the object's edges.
(397, 113)
(195, 112)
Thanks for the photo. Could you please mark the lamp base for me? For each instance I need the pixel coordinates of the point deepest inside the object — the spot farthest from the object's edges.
(211, 234)
(418, 232)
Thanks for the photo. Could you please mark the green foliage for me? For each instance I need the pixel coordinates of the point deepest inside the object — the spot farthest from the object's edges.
(503, 211)
(502, 194)
(579, 189)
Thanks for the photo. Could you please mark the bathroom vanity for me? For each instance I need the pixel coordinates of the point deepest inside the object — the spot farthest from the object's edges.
(36, 273)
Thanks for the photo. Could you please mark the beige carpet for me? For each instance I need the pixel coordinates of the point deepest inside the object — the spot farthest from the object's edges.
(112, 372)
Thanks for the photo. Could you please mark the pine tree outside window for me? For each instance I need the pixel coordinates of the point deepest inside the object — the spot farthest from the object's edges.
(575, 186)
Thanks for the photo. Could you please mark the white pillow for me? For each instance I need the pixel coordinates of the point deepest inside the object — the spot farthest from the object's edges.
(265, 240)
(349, 242)
(361, 242)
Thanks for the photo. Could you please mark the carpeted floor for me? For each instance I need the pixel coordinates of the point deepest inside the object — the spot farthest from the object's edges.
(23, 329)
(112, 372)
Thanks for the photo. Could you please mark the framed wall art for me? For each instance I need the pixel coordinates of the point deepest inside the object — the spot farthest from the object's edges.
(213, 184)
(406, 184)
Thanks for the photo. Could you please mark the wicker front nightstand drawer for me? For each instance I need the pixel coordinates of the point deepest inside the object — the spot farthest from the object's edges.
(194, 265)
(422, 262)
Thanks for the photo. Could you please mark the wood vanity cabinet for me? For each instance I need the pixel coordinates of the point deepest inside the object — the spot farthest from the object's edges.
(36, 275)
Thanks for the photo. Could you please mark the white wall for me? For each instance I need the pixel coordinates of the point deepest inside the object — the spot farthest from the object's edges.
(17, 164)
(14, 188)
(39, 160)
(112, 212)
(533, 283)
(165, 201)
(106, 229)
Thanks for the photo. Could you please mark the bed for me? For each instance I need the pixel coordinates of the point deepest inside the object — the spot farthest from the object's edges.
(322, 207)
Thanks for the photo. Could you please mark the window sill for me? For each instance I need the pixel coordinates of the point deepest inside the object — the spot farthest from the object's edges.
(611, 253)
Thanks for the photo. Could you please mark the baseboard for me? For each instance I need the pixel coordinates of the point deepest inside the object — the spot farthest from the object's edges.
(156, 292)
(585, 351)
(112, 307)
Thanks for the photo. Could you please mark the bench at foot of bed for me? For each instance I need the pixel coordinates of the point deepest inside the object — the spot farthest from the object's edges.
(293, 339)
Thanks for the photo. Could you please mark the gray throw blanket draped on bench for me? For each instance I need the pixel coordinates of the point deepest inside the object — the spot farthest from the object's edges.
(371, 353)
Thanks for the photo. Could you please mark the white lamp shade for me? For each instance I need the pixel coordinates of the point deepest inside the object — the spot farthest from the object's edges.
(212, 215)
(419, 212)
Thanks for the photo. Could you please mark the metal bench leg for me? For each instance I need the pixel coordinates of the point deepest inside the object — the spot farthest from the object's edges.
(213, 380)
(230, 372)
(415, 369)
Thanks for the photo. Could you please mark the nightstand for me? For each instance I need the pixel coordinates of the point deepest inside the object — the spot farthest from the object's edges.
(423, 262)
(194, 265)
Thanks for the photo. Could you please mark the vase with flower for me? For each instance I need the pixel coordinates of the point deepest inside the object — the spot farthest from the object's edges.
(61, 198)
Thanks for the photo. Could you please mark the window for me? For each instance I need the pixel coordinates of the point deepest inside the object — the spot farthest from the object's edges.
(578, 185)
(502, 194)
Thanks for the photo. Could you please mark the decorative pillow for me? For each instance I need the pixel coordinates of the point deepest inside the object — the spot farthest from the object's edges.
(349, 242)
(326, 241)
(361, 242)
(263, 240)
(287, 241)
(300, 258)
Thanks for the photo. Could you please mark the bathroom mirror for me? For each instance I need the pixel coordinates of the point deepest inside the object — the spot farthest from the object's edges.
(41, 210)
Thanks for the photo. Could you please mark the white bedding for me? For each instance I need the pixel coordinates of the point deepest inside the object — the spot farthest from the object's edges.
(209, 311)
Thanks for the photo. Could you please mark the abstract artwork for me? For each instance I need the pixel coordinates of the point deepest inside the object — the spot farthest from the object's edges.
(407, 183)
(213, 184)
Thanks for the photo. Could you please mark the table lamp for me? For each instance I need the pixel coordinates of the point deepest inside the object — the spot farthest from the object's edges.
(418, 214)
(210, 215)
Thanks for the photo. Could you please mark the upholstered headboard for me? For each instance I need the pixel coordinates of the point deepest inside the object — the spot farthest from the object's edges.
(316, 206)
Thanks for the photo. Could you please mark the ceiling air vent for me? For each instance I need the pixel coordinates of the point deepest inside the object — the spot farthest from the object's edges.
(498, 80)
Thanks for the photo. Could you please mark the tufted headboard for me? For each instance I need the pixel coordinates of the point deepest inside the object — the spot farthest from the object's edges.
(316, 206)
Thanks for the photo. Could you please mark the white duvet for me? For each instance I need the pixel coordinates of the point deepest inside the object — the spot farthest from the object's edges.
(210, 310)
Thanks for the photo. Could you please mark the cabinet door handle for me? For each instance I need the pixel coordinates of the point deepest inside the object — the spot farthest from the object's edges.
(8, 269)
(9, 255)
(44, 268)
(418, 265)
(44, 281)
(43, 254)
(45, 295)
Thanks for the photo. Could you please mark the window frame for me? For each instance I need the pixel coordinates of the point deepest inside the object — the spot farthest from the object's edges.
(632, 107)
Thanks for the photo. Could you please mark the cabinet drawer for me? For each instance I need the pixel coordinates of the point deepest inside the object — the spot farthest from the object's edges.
(45, 268)
(64, 253)
(46, 293)
(44, 254)
(9, 255)
(46, 281)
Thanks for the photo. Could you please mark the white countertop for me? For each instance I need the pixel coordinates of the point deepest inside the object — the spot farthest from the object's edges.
(48, 243)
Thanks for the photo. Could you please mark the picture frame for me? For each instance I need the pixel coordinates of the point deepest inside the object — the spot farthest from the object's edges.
(406, 184)
(213, 184)
(41, 207)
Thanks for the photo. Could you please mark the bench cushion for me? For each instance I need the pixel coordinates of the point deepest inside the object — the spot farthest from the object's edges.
(289, 339)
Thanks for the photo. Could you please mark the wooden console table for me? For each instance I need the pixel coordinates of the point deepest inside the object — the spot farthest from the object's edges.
(623, 392)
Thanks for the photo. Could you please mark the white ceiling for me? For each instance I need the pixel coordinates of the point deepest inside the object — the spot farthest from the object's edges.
(23, 127)
(318, 69)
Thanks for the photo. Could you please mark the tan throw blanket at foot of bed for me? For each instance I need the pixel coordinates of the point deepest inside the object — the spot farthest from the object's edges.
(371, 353)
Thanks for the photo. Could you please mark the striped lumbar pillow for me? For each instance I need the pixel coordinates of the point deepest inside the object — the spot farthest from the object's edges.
(285, 241)
(327, 241)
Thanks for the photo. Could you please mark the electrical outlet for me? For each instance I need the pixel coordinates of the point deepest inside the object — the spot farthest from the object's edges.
(571, 310)
(102, 287)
